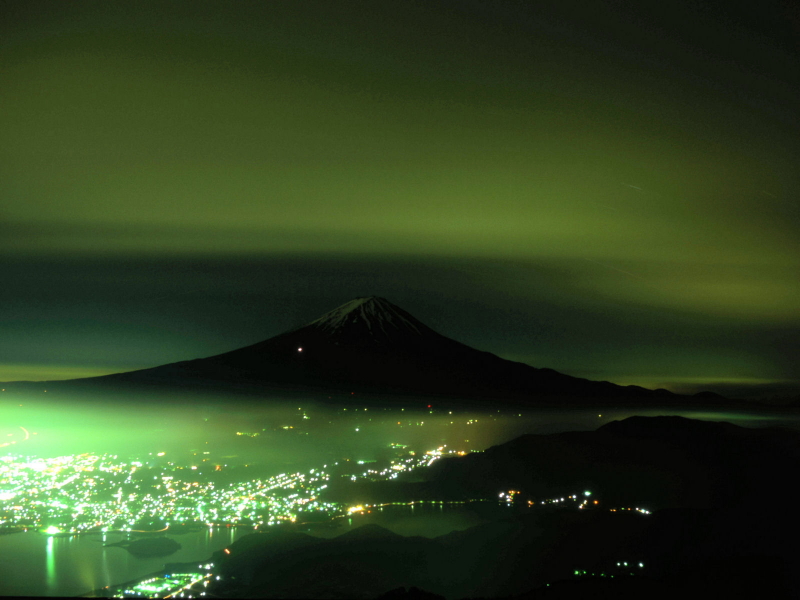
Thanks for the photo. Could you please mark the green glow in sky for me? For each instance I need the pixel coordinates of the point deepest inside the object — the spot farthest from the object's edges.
(633, 169)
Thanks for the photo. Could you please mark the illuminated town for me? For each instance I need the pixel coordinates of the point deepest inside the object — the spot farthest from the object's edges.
(189, 584)
(89, 493)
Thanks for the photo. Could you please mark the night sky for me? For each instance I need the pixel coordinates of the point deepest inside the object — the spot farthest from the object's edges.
(609, 189)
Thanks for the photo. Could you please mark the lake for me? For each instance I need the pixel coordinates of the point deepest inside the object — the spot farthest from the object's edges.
(34, 564)
(37, 565)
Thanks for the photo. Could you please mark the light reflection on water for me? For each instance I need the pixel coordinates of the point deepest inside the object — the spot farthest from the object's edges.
(39, 565)
(69, 566)
(51, 562)
(45, 566)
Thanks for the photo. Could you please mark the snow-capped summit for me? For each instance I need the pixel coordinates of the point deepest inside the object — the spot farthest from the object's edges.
(371, 318)
(366, 345)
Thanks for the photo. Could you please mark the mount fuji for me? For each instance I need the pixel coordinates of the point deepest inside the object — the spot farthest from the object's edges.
(370, 346)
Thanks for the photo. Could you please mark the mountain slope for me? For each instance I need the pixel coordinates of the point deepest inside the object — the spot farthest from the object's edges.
(717, 521)
(658, 462)
(369, 345)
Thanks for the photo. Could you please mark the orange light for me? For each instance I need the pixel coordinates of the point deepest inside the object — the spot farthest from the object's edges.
(227, 551)
(595, 501)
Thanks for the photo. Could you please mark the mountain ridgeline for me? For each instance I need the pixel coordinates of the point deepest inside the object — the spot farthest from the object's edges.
(715, 521)
(371, 346)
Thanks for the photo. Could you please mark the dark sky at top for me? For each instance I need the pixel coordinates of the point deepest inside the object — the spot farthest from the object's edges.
(609, 189)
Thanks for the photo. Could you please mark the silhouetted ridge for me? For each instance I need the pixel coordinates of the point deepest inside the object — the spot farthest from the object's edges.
(369, 532)
(667, 427)
(716, 512)
(370, 346)
(273, 538)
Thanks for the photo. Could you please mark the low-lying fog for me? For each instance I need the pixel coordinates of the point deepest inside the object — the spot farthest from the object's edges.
(280, 434)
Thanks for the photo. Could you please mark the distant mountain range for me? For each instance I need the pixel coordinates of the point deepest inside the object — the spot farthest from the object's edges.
(661, 462)
(718, 519)
(370, 346)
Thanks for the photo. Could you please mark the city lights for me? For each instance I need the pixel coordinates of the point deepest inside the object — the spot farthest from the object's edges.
(81, 493)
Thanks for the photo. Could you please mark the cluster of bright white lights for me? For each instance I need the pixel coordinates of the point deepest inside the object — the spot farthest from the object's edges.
(404, 464)
(85, 492)
(182, 585)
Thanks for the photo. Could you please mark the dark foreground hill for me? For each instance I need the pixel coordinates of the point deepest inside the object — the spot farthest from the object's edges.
(722, 522)
(370, 346)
